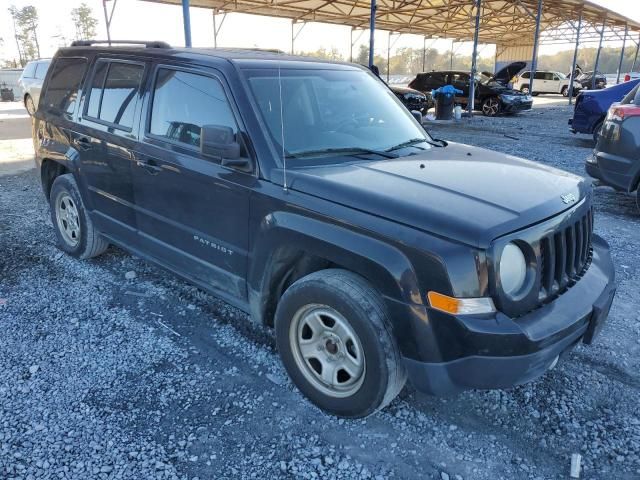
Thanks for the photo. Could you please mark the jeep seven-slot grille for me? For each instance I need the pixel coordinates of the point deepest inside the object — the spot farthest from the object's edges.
(565, 256)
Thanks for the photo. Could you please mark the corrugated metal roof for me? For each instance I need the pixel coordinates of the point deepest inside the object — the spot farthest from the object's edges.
(503, 21)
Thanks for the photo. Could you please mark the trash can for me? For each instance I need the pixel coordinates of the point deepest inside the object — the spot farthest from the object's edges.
(444, 101)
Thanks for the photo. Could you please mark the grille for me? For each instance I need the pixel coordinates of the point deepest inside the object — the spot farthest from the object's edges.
(565, 255)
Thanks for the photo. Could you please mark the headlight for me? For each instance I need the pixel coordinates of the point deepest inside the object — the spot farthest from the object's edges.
(513, 269)
(509, 98)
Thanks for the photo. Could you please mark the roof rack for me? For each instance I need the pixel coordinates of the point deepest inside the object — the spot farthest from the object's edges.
(151, 44)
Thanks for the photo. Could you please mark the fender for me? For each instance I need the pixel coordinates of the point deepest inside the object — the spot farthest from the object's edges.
(285, 236)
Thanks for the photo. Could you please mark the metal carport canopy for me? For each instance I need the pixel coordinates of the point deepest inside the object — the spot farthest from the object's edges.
(503, 22)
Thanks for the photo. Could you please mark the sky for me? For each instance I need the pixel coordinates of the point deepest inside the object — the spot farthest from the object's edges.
(141, 20)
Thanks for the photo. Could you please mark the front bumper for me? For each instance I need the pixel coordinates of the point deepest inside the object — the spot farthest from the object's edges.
(516, 105)
(500, 352)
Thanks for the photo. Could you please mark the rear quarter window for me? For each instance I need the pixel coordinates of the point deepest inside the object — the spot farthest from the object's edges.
(62, 88)
(30, 70)
(633, 96)
(41, 70)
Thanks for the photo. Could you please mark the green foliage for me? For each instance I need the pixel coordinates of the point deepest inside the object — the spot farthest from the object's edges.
(608, 63)
(25, 23)
(84, 22)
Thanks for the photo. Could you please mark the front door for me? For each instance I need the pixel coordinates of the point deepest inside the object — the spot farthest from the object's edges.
(105, 138)
(192, 212)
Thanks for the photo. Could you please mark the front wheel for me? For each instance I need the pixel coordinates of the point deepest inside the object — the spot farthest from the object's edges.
(334, 337)
(74, 229)
(491, 107)
(29, 105)
(525, 89)
(565, 91)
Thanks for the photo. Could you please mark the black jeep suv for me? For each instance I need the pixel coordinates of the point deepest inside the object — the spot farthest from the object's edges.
(305, 194)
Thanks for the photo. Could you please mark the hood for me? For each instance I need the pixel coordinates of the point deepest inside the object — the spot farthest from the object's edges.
(464, 193)
(398, 90)
(504, 75)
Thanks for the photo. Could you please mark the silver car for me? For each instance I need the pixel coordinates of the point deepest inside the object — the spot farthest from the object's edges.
(31, 83)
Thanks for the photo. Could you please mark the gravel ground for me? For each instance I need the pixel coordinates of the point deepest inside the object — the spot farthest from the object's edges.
(112, 368)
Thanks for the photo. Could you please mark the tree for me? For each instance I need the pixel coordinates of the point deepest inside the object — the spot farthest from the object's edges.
(25, 23)
(84, 22)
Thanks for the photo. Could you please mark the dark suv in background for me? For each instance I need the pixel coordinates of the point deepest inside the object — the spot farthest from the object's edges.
(616, 158)
(493, 94)
(304, 193)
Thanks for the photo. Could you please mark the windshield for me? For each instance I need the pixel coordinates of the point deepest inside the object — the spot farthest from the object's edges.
(561, 75)
(332, 113)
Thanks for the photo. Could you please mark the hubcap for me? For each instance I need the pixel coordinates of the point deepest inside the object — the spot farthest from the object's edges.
(525, 90)
(68, 219)
(327, 350)
(491, 107)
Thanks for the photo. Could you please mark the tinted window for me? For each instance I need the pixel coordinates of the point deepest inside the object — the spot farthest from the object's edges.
(459, 78)
(437, 79)
(539, 76)
(549, 76)
(63, 85)
(41, 70)
(184, 102)
(120, 93)
(95, 92)
(525, 75)
(30, 70)
(633, 96)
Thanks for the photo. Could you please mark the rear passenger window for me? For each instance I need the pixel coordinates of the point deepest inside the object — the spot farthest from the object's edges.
(114, 92)
(64, 82)
(183, 102)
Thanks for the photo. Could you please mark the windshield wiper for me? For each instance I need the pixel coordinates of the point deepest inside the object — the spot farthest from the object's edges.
(343, 150)
(435, 142)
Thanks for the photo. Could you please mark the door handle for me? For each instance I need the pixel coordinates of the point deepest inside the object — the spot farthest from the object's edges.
(83, 143)
(148, 164)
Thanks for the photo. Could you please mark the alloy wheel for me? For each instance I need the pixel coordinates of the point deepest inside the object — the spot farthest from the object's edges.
(491, 107)
(68, 219)
(327, 350)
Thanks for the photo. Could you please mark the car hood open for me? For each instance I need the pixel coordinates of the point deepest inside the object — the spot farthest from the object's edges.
(465, 193)
(505, 74)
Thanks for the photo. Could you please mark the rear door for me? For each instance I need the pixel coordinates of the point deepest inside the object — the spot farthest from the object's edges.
(106, 136)
(192, 212)
(460, 81)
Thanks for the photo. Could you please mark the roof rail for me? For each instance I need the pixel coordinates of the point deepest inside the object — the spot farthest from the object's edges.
(148, 44)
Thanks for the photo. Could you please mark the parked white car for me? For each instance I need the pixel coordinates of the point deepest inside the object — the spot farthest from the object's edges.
(31, 83)
(545, 82)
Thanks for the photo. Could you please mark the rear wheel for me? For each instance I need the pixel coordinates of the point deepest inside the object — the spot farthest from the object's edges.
(334, 337)
(491, 107)
(74, 229)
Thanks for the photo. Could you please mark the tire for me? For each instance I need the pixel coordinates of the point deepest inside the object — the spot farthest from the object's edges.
(74, 229)
(565, 91)
(29, 105)
(491, 107)
(596, 131)
(353, 330)
(524, 89)
(638, 198)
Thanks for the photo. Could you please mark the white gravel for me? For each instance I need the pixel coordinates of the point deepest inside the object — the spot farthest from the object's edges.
(112, 368)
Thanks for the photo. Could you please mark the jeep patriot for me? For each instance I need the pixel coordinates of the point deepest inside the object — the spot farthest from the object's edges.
(303, 193)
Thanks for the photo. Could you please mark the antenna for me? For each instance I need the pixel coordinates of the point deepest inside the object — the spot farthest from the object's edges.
(284, 157)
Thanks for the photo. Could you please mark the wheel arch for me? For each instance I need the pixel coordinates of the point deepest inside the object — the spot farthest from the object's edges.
(292, 246)
(50, 170)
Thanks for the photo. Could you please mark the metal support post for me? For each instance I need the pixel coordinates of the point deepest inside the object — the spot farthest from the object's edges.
(372, 30)
(575, 59)
(534, 59)
(624, 44)
(474, 64)
(595, 67)
(186, 20)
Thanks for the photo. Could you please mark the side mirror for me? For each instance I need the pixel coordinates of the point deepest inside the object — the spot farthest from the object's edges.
(218, 141)
(417, 115)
